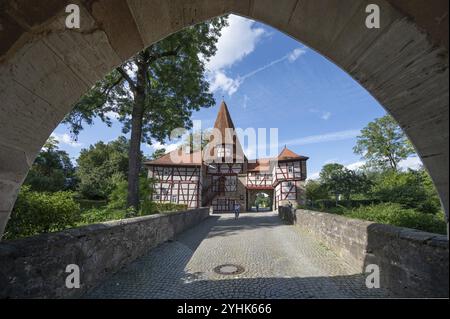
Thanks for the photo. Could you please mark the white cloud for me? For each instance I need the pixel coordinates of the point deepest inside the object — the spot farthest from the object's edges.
(324, 115)
(332, 160)
(356, 165)
(220, 81)
(321, 138)
(294, 55)
(238, 40)
(113, 115)
(246, 100)
(288, 57)
(168, 147)
(66, 140)
(410, 162)
(315, 175)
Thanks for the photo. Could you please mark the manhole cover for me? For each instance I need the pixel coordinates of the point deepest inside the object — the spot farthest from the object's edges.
(229, 269)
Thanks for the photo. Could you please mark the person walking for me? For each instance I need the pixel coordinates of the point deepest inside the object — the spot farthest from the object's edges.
(237, 210)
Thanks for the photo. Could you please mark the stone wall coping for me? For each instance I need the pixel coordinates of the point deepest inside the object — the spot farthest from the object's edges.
(33, 267)
(23, 245)
(394, 232)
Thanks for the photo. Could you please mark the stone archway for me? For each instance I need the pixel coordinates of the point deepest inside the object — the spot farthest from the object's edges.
(45, 68)
(252, 195)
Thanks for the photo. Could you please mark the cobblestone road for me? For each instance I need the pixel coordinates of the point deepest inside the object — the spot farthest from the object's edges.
(279, 261)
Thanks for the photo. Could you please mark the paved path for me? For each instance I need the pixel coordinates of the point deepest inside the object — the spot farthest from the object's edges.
(279, 261)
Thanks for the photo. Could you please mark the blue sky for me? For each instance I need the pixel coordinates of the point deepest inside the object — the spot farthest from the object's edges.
(270, 80)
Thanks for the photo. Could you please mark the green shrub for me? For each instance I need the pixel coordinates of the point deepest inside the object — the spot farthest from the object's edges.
(338, 210)
(411, 189)
(395, 214)
(86, 204)
(96, 215)
(327, 203)
(314, 190)
(118, 197)
(168, 207)
(36, 213)
(147, 208)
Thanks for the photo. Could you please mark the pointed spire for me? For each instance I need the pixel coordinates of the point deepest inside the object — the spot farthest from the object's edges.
(223, 120)
(223, 124)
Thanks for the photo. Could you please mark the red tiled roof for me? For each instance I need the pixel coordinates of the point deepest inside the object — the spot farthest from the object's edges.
(262, 164)
(178, 157)
(223, 122)
(287, 154)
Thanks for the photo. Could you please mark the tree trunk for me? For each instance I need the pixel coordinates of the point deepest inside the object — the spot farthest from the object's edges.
(392, 163)
(134, 153)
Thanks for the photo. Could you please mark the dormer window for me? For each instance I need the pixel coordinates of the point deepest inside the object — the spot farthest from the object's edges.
(224, 150)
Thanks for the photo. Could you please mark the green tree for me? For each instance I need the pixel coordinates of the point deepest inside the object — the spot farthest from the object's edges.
(328, 170)
(158, 153)
(154, 92)
(314, 191)
(342, 181)
(262, 200)
(197, 140)
(382, 143)
(52, 170)
(330, 176)
(411, 189)
(100, 166)
(118, 196)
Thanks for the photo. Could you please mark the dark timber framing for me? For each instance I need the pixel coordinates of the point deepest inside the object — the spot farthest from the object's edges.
(222, 182)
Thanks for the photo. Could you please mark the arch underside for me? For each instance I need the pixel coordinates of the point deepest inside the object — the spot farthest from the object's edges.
(45, 68)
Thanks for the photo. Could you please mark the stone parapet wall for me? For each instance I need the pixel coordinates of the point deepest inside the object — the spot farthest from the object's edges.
(35, 267)
(412, 263)
(287, 214)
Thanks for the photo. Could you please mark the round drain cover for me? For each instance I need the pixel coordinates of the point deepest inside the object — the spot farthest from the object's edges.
(229, 269)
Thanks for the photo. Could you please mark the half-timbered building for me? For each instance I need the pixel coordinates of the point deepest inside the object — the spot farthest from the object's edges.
(221, 175)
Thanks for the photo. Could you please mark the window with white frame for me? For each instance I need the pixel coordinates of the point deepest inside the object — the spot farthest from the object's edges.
(224, 150)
